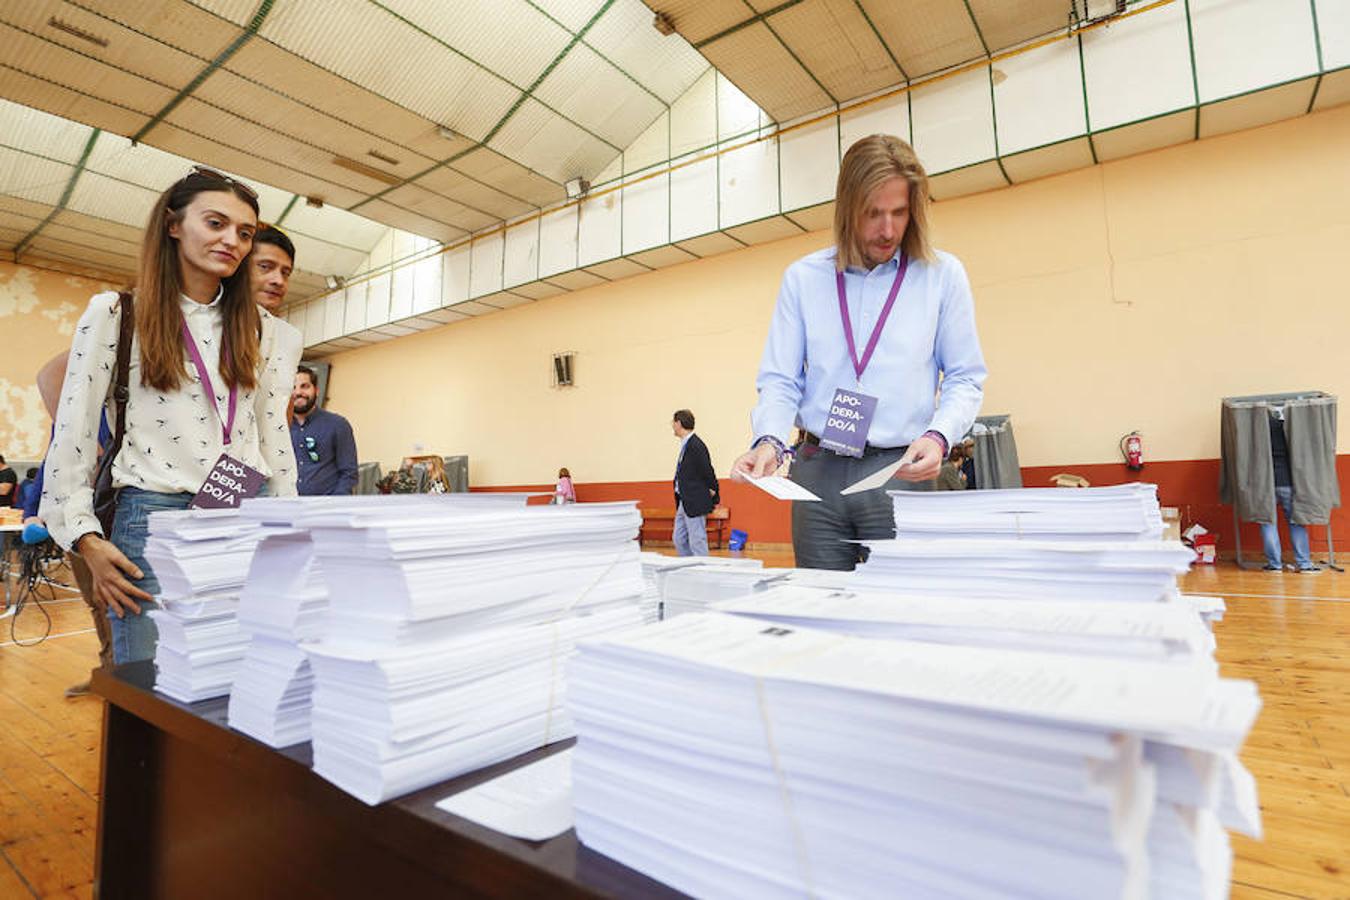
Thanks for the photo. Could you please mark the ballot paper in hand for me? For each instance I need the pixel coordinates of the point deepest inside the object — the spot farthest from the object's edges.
(876, 479)
(533, 802)
(782, 488)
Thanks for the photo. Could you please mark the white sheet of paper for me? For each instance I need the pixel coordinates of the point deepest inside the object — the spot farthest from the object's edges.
(782, 488)
(533, 802)
(875, 480)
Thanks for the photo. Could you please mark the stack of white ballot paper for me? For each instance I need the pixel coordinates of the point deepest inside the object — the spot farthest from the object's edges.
(447, 631)
(282, 605)
(1127, 571)
(729, 757)
(1126, 512)
(199, 557)
(1157, 631)
(695, 588)
(654, 568)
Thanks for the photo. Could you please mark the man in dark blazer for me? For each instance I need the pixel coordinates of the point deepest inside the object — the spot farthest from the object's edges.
(696, 490)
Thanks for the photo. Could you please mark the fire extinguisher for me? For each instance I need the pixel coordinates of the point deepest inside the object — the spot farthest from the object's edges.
(1132, 448)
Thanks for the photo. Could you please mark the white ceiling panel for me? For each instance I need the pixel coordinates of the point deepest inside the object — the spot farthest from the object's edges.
(109, 198)
(81, 254)
(588, 90)
(1241, 45)
(412, 222)
(574, 14)
(766, 72)
(335, 225)
(552, 145)
(1333, 32)
(203, 28)
(116, 157)
(665, 64)
(40, 133)
(31, 177)
(48, 96)
(698, 20)
(368, 45)
(225, 90)
(133, 49)
(511, 177)
(484, 205)
(926, 36)
(129, 236)
(510, 37)
(834, 41)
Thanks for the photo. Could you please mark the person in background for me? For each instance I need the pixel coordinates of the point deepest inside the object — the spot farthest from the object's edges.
(9, 482)
(564, 492)
(25, 487)
(968, 463)
(1284, 499)
(207, 376)
(880, 318)
(325, 447)
(270, 267)
(696, 488)
(950, 477)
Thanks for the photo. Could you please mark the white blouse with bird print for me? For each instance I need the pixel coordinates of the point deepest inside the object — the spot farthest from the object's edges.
(172, 438)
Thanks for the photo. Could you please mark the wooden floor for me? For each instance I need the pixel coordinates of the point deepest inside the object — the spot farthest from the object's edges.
(1290, 633)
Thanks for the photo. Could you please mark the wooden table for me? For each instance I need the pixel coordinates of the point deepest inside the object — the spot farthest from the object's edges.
(192, 809)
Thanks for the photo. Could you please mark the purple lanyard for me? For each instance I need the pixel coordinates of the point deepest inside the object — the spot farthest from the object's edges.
(228, 424)
(860, 366)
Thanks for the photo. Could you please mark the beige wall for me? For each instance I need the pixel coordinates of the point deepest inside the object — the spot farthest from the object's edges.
(38, 312)
(1131, 295)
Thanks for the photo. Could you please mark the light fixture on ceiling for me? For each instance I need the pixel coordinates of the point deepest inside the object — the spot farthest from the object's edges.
(447, 133)
(382, 157)
(663, 23)
(577, 187)
(316, 202)
(361, 168)
(80, 33)
(333, 282)
(997, 75)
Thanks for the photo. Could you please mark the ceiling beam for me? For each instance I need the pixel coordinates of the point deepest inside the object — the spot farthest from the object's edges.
(249, 31)
(501, 123)
(65, 195)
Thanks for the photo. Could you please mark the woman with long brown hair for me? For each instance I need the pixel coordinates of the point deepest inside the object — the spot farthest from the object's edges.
(205, 377)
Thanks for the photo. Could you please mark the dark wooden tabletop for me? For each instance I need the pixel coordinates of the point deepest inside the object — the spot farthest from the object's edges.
(410, 826)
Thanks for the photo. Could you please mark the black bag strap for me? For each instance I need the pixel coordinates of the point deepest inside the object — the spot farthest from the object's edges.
(121, 393)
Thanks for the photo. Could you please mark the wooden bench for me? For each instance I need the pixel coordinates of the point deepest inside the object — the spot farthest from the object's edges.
(657, 516)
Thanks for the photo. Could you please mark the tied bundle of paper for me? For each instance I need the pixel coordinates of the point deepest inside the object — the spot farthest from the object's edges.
(1126, 512)
(654, 567)
(1200, 791)
(200, 557)
(447, 632)
(787, 762)
(282, 605)
(1163, 632)
(695, 588)
(1134, 571)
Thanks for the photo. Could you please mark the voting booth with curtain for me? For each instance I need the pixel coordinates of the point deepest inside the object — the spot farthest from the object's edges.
(996, 464)
(1247, 476)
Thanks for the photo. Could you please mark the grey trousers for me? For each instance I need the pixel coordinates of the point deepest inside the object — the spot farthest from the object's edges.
(820, 530)
(690, 534)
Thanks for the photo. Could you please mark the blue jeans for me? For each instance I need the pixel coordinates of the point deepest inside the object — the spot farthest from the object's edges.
(690, 535)
(134, 634)
(1298, 535)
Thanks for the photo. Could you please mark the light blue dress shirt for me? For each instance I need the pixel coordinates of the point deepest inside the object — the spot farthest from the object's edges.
(929, 340)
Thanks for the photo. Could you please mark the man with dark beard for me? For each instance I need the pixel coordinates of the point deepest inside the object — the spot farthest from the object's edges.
(323, 441)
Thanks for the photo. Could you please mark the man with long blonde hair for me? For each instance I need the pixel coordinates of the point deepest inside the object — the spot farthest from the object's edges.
(866, 334)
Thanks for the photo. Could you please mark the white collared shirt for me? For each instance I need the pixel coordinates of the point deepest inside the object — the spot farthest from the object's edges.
(172, 438)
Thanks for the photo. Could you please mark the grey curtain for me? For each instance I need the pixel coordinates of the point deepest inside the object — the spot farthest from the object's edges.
(457, 473)
(367, 477)
(1310, 426)
(1246, 476)
(996, 463)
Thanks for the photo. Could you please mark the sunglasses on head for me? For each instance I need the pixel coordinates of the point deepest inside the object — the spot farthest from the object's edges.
(212, 174)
